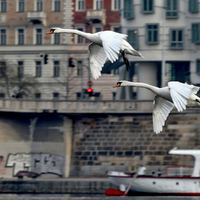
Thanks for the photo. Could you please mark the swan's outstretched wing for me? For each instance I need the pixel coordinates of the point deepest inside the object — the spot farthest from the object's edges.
(180, 93)
(97, 59)
(161, 110)
(111, 42)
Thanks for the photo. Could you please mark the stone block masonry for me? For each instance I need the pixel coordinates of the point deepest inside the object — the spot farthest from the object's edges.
(67, 186)
(89, 145)
(109, 142)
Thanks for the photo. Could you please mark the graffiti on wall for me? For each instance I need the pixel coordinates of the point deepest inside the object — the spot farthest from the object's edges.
(40, 163)
(1, 159)
(2, 162)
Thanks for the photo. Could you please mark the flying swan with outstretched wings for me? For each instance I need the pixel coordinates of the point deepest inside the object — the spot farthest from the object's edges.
(104, 45)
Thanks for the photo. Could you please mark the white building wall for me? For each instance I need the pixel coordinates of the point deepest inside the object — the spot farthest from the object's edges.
(189, 53)
(47, 84)
(147, 73)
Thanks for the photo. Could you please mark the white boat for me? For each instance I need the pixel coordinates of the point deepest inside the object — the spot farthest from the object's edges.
(159, 184)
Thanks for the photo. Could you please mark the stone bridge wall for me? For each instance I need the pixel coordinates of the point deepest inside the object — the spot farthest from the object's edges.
(98, 143)
(102, 143)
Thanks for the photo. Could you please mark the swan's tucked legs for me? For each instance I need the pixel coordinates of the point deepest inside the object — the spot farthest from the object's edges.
(197, 100)
(126, 61)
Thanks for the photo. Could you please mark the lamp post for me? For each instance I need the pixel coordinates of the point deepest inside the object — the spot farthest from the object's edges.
(163, 49)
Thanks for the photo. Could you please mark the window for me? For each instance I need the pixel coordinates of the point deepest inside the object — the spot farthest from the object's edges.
(20, 36)
(98, 4)
(82, 95)
(193, 6)
(39, 5)
(79, 68)
(133, 38)
(198, 67)
(180, 71)
(116, 4)
(56, 69)
(147, 6)
(172, 9)
(128, 9)
(38, 69)
(18, 95)
(2, 95)
(80, 39)
(97, 29)
(56, 38)
(196, 33)
(3, 36)
(55, 96)
(20, 69)
(78, 95)
(21, 6)
(2, 69)
(80, 5)
(176, 38)
(38, 36)
(57, 6)
(117, 29)
(152, 33)
(113, 95)
(37, 95)
(97, 96)
(3, 5)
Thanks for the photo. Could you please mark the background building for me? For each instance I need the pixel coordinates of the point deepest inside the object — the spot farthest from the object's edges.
(92, 16)
(167, 34)
(32, 64)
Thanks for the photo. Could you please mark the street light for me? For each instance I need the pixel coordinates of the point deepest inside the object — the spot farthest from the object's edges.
(163, 49)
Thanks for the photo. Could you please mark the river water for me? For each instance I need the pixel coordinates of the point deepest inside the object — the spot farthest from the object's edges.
(87, 197)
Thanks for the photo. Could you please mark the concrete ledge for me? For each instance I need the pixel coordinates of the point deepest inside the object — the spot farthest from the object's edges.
(62, 186)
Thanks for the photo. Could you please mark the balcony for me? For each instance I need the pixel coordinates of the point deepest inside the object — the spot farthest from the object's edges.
(96, 16)
(37, 17)
(83, 106)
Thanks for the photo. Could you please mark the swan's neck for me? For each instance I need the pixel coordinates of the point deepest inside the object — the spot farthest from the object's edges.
(144, 85)
(73, 31)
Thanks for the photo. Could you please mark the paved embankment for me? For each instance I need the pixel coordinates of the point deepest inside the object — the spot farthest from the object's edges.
(65, 186)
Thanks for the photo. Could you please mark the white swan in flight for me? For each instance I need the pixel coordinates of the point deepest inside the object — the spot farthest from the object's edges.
(104, 44)
(175, 94)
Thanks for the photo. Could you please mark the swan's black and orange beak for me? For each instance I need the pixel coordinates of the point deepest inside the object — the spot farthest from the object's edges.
(118, 85)
(50, 32)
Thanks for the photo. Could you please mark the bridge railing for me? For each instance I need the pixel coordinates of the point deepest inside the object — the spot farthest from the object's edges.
(69, 106)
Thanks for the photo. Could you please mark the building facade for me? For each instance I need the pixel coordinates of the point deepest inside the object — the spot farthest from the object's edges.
(92, 16)
(33, 64)
(167, 34)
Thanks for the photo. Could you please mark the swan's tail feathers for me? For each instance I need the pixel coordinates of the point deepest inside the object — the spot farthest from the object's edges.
(134, 52)
(181, 93)
(141, 55)
(137, 53)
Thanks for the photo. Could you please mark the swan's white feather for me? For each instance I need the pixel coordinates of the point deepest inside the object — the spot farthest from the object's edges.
(180, 93)
(161, 110)
(111, 42)
(97, 59)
